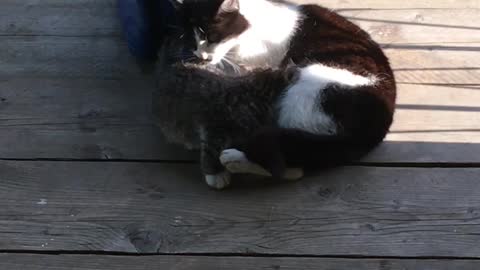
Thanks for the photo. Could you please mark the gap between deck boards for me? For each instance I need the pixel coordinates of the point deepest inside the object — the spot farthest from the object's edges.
(238, 255)
(351, 164)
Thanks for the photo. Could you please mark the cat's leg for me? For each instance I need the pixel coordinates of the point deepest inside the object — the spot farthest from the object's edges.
(237, 162)
(215, 174)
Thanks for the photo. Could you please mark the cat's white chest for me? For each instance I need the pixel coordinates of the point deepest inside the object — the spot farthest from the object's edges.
(266, 42)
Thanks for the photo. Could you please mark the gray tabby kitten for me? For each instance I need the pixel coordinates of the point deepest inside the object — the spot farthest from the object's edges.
(209, 111)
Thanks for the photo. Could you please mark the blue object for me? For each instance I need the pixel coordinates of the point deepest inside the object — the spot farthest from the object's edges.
(144, 24)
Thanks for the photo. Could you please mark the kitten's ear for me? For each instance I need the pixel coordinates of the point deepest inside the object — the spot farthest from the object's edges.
(230, 6)
(176, 3)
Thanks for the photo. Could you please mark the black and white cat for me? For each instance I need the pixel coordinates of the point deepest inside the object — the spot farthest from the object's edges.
(325, 90)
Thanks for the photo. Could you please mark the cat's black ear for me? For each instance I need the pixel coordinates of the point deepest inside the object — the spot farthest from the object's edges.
(230, 6)
(177, 4)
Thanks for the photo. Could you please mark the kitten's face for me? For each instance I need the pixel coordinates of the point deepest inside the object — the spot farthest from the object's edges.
(215, 25)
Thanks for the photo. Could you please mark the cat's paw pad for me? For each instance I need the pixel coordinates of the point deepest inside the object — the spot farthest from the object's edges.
(293, 174)
(232, 155)
(218, 181)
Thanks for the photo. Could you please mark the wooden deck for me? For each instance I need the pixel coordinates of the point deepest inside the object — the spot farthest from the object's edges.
(86, 182)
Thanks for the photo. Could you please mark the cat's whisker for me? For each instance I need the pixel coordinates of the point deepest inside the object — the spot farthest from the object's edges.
(233, 67)
(221, 64)
(186, 60)
(236, 68)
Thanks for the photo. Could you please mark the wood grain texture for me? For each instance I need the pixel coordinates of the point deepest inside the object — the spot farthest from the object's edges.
(432, 113)
(459, 57)
(70, 90)
(60, 18)
(66, 57)
(88, 262)
(396, 4)
(390, 26)
(435, 26)
(108, 58)
(97, 118)
(80, 118)
(166, 208)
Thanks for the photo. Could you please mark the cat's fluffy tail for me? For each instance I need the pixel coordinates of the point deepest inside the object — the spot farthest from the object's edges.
(277, 149)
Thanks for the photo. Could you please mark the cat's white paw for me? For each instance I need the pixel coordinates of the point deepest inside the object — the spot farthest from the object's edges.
(232, 155)
(218, 181)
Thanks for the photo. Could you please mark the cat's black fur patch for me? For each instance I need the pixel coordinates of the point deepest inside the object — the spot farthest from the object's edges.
(363, 115)
(215, 24)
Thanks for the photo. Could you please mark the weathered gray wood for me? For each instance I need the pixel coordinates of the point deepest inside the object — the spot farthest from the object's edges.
(433, 71)
(90, 262)
(108, 58)
(420, 152)
(396, 4)
(95, 118)
(60, 18)
(418, 25)
(90, 18)
(73, 57)
(167, 208)
(86, 119)
(111, 119)
(418, 62)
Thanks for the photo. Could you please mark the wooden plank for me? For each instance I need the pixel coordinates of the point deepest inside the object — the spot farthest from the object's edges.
(109, 119)
(88, 262)
(441, 30)
(437, 113)
(425, 71)
(108, 58)
(429, 57)
(395, 4)
(86, 119)
(92, 118)
(433, 124)
(417, 151)
(418, 25)
(61, 18)
(425, 131)
(422, 123)
(390, 26)
(73, 57)
(166, 208)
